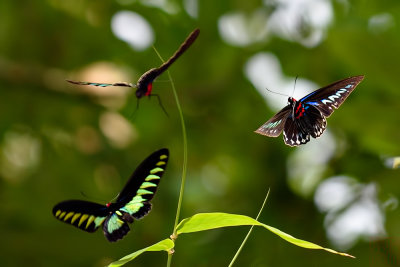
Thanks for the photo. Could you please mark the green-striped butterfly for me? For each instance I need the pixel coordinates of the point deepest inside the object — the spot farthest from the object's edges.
(132, 203)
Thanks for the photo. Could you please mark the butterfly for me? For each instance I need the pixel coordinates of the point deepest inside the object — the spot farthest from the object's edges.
(132, 203)
(307, 117)
(144, 85)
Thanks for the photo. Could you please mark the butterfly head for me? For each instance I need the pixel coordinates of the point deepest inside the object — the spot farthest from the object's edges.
(112, 206)
(291, 101)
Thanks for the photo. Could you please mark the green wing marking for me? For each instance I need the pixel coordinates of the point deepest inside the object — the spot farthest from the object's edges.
(143, 184)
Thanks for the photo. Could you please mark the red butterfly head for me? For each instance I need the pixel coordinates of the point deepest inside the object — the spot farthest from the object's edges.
(291, 101)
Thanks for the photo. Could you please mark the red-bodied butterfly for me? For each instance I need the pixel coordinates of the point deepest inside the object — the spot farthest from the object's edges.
(300, 119)
(144, 85)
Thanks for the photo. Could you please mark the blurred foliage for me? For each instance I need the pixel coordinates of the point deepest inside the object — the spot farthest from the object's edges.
(54, 143)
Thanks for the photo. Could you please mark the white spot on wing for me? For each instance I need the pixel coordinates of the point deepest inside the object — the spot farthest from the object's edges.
(326, 101)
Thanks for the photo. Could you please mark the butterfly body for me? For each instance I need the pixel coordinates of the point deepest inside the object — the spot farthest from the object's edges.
(132, 203)
(307, 117)
(144, 85)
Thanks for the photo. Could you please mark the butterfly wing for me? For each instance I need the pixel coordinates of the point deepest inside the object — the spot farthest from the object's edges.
(102, 84)
(141, 187)
(133, 201)
(311, 121)
(115, 226)
(274, 126)
(85, 215)
(330, 97)
(293, 135)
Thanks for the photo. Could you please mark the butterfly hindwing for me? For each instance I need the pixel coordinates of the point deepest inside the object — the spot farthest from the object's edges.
(274, 126)
(330, 97)
(115, 227)
(85, 215)
(141, 187)
(292, 133)
(310, 120)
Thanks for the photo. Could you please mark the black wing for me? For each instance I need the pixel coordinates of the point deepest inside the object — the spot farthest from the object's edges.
(330, 97)
(102, 84)
(116, 227)
(274, 126)
(141, 187)
(85, 215)
(311, 121)
(293, 135)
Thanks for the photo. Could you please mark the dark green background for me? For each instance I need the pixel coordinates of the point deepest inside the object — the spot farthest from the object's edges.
(44, 42)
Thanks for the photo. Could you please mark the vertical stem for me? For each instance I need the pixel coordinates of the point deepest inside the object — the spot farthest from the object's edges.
(169, 259)
(184, 167)
(248, 234)
(185, 152)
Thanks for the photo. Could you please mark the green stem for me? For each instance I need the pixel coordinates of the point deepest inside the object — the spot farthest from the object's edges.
(184, 167)
(169, 259)
(248, 234)
(185, 152)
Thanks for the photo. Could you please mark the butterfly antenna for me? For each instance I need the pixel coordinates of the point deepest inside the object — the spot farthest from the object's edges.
(114, 198)
(160, 103)
(276, 92)
(295, 81)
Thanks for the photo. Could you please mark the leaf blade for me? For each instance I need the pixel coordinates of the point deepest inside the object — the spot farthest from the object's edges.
(163, 245)
(208, 221)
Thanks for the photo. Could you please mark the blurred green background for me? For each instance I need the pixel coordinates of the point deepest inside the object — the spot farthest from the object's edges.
(59, 141)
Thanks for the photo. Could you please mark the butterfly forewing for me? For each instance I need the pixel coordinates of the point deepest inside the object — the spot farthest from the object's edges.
(85, 215)
(133, 201)
(143, 184)
(330, 97)
(124, 84)
(274, 126)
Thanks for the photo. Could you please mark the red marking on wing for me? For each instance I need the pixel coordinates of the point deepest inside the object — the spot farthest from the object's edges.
(108, 205)
(149, 88)
(301, 113)
(298, 107)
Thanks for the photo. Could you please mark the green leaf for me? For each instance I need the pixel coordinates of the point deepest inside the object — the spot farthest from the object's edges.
(164, 245)
(207, 221)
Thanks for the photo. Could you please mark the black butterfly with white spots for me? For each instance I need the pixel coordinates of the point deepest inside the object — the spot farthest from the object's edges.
(307, 117)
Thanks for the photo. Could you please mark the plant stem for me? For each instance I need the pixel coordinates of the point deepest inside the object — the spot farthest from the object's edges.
(185, 152)
(248, 234)
(169, 260)
(184, 167)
